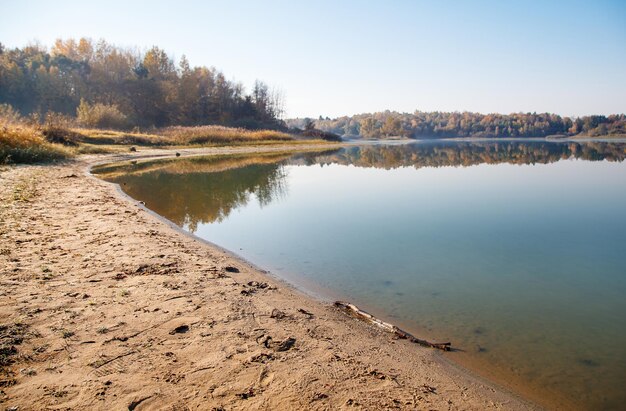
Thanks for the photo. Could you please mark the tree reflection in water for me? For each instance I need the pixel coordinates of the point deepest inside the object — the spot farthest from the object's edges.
(206, 189)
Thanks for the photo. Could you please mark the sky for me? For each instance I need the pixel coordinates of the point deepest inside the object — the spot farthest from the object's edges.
(334, 58)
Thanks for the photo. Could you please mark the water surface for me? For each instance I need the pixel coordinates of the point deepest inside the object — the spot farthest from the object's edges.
(514, 251)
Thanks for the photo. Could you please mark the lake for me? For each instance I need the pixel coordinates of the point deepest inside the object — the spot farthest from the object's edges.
(514, 251)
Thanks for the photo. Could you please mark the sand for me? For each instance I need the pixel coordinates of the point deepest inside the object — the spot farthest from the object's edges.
(109, 307)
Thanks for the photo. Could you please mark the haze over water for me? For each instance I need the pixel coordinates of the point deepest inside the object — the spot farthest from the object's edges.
(513, 251)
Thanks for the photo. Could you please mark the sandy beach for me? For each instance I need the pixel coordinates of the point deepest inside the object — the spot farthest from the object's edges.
(106, 306)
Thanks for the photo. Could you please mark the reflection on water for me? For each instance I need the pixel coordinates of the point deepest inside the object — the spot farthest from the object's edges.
(513, 250)
(443, 154)
(187, 191)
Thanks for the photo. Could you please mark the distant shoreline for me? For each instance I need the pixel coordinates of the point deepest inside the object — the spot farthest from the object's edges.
(611, 139)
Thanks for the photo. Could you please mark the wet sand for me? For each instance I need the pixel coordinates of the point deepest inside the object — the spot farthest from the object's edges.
(109, 307)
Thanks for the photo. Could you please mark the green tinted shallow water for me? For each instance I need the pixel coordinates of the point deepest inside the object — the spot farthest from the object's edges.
(514, 251)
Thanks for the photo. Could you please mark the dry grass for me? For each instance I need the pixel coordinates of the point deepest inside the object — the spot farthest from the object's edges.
(24, 144)
(184, 136)
(113, 137)
(202, 135)
(86, 148)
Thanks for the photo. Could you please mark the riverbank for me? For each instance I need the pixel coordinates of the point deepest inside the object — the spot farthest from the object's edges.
(109, 307)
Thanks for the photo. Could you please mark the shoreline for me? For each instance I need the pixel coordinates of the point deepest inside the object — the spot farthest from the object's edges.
(548, 139)
(458, 359)
(324, 342)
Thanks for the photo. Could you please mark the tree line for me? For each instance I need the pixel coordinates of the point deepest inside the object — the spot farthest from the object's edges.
(466, 124)
(109, 86)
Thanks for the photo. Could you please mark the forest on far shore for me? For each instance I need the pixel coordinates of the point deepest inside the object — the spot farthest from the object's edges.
(448, 125)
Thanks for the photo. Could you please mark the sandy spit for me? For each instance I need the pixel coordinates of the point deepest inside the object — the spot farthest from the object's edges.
(103, 306)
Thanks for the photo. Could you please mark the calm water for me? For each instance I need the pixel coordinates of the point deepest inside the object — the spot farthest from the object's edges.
(514, 251)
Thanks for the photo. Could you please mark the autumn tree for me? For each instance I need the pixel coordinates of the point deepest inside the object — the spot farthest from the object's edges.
(442, 125)
(147, 88)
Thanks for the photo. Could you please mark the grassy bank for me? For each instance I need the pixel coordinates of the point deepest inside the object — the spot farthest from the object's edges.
(220, 135)
(181, 136)
(21, 142)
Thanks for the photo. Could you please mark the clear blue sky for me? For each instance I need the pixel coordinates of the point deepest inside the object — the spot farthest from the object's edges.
(345, 57)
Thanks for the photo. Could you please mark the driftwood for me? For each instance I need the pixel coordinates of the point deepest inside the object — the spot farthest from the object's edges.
(354, 310)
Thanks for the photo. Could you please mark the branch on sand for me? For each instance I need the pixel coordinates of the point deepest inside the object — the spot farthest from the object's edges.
(357, 312)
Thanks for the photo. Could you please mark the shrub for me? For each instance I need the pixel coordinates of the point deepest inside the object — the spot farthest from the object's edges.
(57, 129)
(61, 135)
(101, 116)
(324, 135)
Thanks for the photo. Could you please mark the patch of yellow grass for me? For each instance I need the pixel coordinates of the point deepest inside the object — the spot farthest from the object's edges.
(98, 136)
(86, 148)
(220, 135)
(24, 144)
